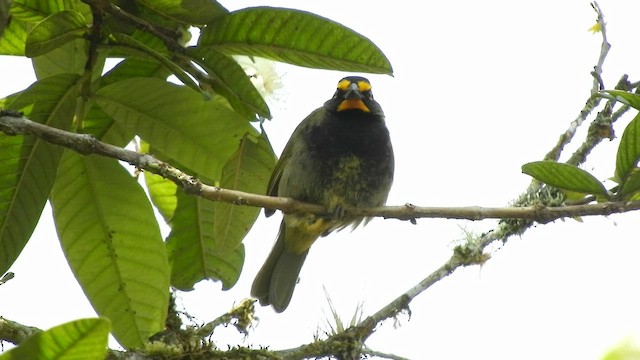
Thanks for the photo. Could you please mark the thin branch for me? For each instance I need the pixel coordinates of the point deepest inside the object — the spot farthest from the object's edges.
(16, 124)
(370, 352)
(168, 36)
(6, 277)
(17, 333)
(241, 317)
(604, 49)
(593, 101)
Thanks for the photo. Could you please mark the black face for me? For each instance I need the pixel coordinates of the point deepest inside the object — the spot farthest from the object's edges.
(354, 95)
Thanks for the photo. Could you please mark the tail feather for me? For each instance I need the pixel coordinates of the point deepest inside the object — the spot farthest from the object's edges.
(262, 282)
(277, 278)
(284, 279)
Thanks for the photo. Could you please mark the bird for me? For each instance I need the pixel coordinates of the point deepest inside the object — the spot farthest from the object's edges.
(339, 156)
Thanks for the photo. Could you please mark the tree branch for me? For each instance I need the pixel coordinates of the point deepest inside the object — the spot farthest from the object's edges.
(593, 100)
(12, 123)
(14, 332)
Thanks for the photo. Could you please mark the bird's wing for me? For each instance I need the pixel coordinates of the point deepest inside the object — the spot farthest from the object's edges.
(272, 188)
(294, 141)
(274, 181)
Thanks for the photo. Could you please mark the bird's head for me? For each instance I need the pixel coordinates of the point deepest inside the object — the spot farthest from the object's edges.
(353, 94)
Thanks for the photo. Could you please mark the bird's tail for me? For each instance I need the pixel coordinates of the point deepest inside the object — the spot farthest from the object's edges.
(277, 278)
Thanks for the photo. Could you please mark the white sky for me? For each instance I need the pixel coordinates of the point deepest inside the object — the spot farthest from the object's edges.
(480, 88)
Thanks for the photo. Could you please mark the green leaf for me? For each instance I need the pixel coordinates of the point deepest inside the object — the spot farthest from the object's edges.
(14, 38)
(55, 31)
(628, 150)
(625, 97)
(177, 121)
(36, 10)
(230, 80)
(193, 12)
(4, 15)
(193, 253)
(130, 68)
(295, 37)
(161, 191)
(139, 48)
(105, 129)
(248, 170)
(80, 339)
(68, 58)
(631, 184)
(112, 242)
(205, 239)
(28, 165)
(565, 176)
(163, 195)
(9, 99)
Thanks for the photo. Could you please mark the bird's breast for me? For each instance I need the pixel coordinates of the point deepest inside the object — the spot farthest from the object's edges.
(347, 163)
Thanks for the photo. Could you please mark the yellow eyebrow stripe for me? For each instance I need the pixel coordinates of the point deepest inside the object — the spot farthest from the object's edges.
(362, 85)
(344, 84)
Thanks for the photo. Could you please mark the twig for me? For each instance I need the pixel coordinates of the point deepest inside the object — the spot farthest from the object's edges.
(370, 352)
(604, 49)
(6, 277)
(593, 101)
(241, 316)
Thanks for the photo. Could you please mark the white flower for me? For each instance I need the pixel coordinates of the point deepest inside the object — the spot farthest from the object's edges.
(263, 74)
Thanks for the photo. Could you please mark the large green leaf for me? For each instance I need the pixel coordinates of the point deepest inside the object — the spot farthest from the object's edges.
(112, 242)
(163, 195)
(55, 31)
(295, 37)
(177, 121)
(130, 68)
(28, 165)
(68, 58)
(194, 12)
(137, 48)
(565, 176)
(37, 10)
(248, 170)
(193, 253)
(14, 38)
(162, 192)
(205, 239)
(631, 184)
(628, 150)
(105, 129)
(84, 339)
(231, 81)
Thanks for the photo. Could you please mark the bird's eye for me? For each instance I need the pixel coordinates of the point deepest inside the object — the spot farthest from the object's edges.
(368, 95)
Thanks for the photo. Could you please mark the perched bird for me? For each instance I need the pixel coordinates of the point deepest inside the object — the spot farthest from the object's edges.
(339, 156)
